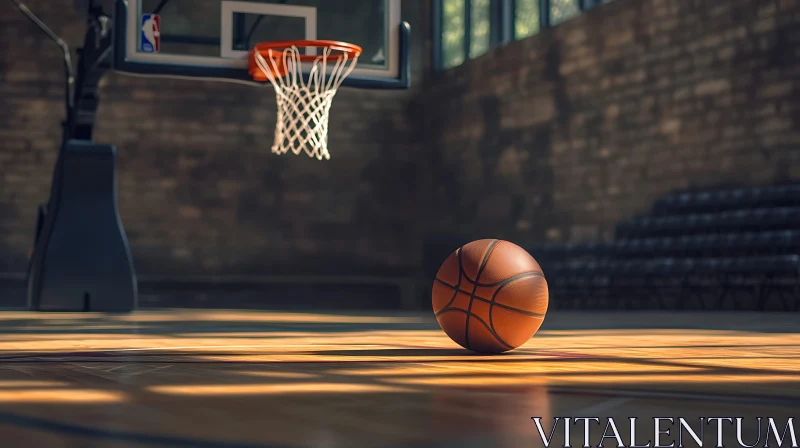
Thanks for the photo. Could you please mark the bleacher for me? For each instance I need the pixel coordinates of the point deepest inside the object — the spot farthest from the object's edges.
(724, 249)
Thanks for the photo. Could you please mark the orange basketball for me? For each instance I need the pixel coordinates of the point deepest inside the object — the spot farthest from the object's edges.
(490, 296)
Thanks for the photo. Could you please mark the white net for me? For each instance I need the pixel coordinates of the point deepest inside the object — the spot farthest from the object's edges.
(304, 105)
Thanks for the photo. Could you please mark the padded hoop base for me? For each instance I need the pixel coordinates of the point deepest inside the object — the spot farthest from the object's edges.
(82, 261)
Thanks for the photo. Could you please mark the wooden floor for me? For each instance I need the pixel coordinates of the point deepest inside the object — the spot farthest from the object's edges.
(195, 378)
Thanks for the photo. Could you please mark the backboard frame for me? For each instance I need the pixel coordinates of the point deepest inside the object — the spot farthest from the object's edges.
(230, 7)
(128, 60)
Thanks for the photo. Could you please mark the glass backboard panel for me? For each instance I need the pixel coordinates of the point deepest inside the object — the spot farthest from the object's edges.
(212, 38)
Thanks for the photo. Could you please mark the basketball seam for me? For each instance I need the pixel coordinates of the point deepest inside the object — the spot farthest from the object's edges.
(485, 259)
(470, 314)
(501, 282)
(491, 307)
(461, 266)
(457, 287)
(489, 301)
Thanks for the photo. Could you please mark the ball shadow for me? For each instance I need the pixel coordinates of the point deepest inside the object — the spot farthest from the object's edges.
(409, 353)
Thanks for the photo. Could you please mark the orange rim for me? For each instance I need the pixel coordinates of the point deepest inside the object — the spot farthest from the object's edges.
(275, 49)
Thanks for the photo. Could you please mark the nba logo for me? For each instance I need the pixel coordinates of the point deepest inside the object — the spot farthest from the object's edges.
(151, 33)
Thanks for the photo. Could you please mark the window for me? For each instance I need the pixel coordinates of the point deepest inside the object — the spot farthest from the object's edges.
(563, 10)
(453, 33)
(480, 21)
(467, 29)
(526, 18)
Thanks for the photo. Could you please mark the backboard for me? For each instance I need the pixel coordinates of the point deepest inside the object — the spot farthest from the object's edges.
(212, 38)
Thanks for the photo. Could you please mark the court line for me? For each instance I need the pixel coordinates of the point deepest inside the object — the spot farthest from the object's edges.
(192, 347)
(174, 358)
(148, 349)
(45, 425)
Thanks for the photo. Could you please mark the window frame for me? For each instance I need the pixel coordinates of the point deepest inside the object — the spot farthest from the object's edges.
(502, 15)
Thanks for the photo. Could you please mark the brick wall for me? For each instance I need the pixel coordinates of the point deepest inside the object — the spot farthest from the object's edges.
(560, 136)
(556, 137)
(199, 190)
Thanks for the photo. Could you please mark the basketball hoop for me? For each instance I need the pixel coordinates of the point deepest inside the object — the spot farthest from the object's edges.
(303, 104)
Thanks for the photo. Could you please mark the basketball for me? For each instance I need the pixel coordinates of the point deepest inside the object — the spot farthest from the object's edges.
(490, 296)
